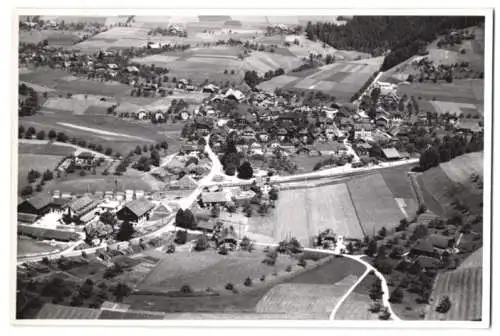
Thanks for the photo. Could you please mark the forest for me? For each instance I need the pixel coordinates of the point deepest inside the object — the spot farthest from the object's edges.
(396, 37)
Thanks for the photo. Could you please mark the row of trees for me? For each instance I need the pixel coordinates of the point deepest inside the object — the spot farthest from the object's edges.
(252, 78)
(28, 100)
(449, 148)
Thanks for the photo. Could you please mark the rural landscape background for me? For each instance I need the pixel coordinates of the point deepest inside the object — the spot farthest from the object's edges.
(251, 167)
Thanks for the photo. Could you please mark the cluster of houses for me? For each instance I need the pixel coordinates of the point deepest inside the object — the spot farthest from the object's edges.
(65, 219)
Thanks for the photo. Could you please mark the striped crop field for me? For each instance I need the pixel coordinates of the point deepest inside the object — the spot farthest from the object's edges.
(310, 298)
(464, 288)
(374, 203)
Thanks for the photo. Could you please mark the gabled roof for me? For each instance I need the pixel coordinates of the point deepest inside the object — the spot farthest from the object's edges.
(427, 262)
(440, 241)
(40, 201)
(215, 197)
(80, 203)
(139, 207)
(391, 153)
(423, 245)
(187, 182)
(26, 218)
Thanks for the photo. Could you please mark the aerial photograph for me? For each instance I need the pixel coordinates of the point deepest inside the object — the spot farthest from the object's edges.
(226, 167)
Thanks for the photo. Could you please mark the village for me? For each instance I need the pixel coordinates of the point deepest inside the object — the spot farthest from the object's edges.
(216, 183)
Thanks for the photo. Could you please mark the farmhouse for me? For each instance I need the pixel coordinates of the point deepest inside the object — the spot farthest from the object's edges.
(36, 206)
(76, 210)
(84, 160)
(136, 211)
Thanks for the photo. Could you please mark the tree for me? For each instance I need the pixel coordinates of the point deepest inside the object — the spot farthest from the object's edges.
(138, 150)
(33, 175)
(126, 231)
(180, 237)
(245, 171)
(371, 249)
(108, 151)
(201, 243)
(41, 135)
(376, 291)
(444, 305)
(382, 233)
(375, 151)
(121, 290)
(27, 191)
(429, 159)
(48, 175)
(62, 137)
(108, 218)
(396, 296)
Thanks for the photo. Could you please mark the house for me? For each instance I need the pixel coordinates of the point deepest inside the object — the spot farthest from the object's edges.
(136, 211)
(427, 263)
(37, 206)
(132, 69)
(111, 206)
(282, 133)
(217, 197)
(363, 148)
(391, 153)
(236, 95)
(142, 114)
(210, 88)
(363, 130)
(78, 208)
(382, 121)
(84, 160)
(440, 242)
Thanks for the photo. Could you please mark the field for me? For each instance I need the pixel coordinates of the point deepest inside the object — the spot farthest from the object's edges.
(473, 260)
(463, 91)
(54, 38)
(341, 79)
(45, 149)
(41, 163)
(62, 81)
(209, 269)
(461, 168)
(120, 135)
(199, 64)
(376, 208)
(398, 183)
(305, 298)
(464, 288)
(28, 246)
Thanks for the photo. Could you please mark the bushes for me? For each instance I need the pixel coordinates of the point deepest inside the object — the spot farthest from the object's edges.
(180, 237)
(444, 305)
(229, 286)
(396, 296)
(271, 258)
(302, 262)
(201, 243)
(288, 268)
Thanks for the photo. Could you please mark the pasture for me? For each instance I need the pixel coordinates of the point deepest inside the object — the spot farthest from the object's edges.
(45, 149)
(468, 91)
(440, 192)
(41, 163)
(473, 260)
(119, 134)
(61, 81)
(376, 208)
(305, 298)
(341, 79)
(356, 307)
(465, 290)
(26, 246)
(209, 269)
(54, 38)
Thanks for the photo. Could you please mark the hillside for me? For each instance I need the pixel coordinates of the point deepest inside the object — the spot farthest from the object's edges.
(450, 186)
(402, 36)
